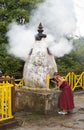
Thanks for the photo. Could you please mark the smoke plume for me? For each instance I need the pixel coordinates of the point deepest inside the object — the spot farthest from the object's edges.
(58, 19)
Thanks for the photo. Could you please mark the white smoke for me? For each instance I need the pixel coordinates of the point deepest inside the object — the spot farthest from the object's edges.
(58, 19)
(20, 40)
(63, 47)
(79, 9)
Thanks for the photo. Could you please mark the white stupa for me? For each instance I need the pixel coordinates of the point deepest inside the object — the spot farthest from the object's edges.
(39, 63)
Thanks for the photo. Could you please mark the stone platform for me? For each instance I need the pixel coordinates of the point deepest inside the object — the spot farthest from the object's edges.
(43, 102)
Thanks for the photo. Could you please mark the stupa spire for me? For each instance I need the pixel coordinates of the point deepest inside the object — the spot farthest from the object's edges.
(40, 34)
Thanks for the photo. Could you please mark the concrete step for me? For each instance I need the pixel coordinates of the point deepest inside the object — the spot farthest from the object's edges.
(8, 124)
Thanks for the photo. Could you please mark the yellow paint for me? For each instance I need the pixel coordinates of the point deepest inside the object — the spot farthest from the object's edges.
(76, 81)
(47, 81)
(5, 102)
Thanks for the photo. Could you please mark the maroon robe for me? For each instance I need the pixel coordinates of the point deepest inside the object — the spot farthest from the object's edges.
(66, 98)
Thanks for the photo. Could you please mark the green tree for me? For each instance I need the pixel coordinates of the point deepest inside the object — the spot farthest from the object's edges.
(18, 10)
(9, 64)
(73, 61)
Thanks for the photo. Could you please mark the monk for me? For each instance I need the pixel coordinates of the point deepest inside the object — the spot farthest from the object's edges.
(66, 102)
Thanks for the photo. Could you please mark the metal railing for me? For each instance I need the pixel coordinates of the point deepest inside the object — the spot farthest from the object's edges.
(76, 81)
(6, 99)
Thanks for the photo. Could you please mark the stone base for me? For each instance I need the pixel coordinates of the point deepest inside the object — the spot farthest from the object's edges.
(43, 102)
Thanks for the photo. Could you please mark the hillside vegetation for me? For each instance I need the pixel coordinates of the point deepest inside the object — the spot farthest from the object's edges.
(19, 10)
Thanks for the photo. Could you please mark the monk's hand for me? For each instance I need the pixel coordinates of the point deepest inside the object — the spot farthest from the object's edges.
(53, 81)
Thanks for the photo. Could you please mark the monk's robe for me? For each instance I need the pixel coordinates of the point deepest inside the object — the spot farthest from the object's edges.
(66, 98)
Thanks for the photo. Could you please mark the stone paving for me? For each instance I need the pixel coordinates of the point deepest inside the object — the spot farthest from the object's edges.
(73, 121)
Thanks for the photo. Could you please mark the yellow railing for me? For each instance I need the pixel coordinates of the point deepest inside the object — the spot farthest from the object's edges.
(47, 81)
(6, 108)
(19, 83)
(76, 81)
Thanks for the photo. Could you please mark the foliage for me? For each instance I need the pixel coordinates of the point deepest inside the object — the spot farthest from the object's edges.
(75, 60)
(12, 10)
(20, 10)
(8, 64)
